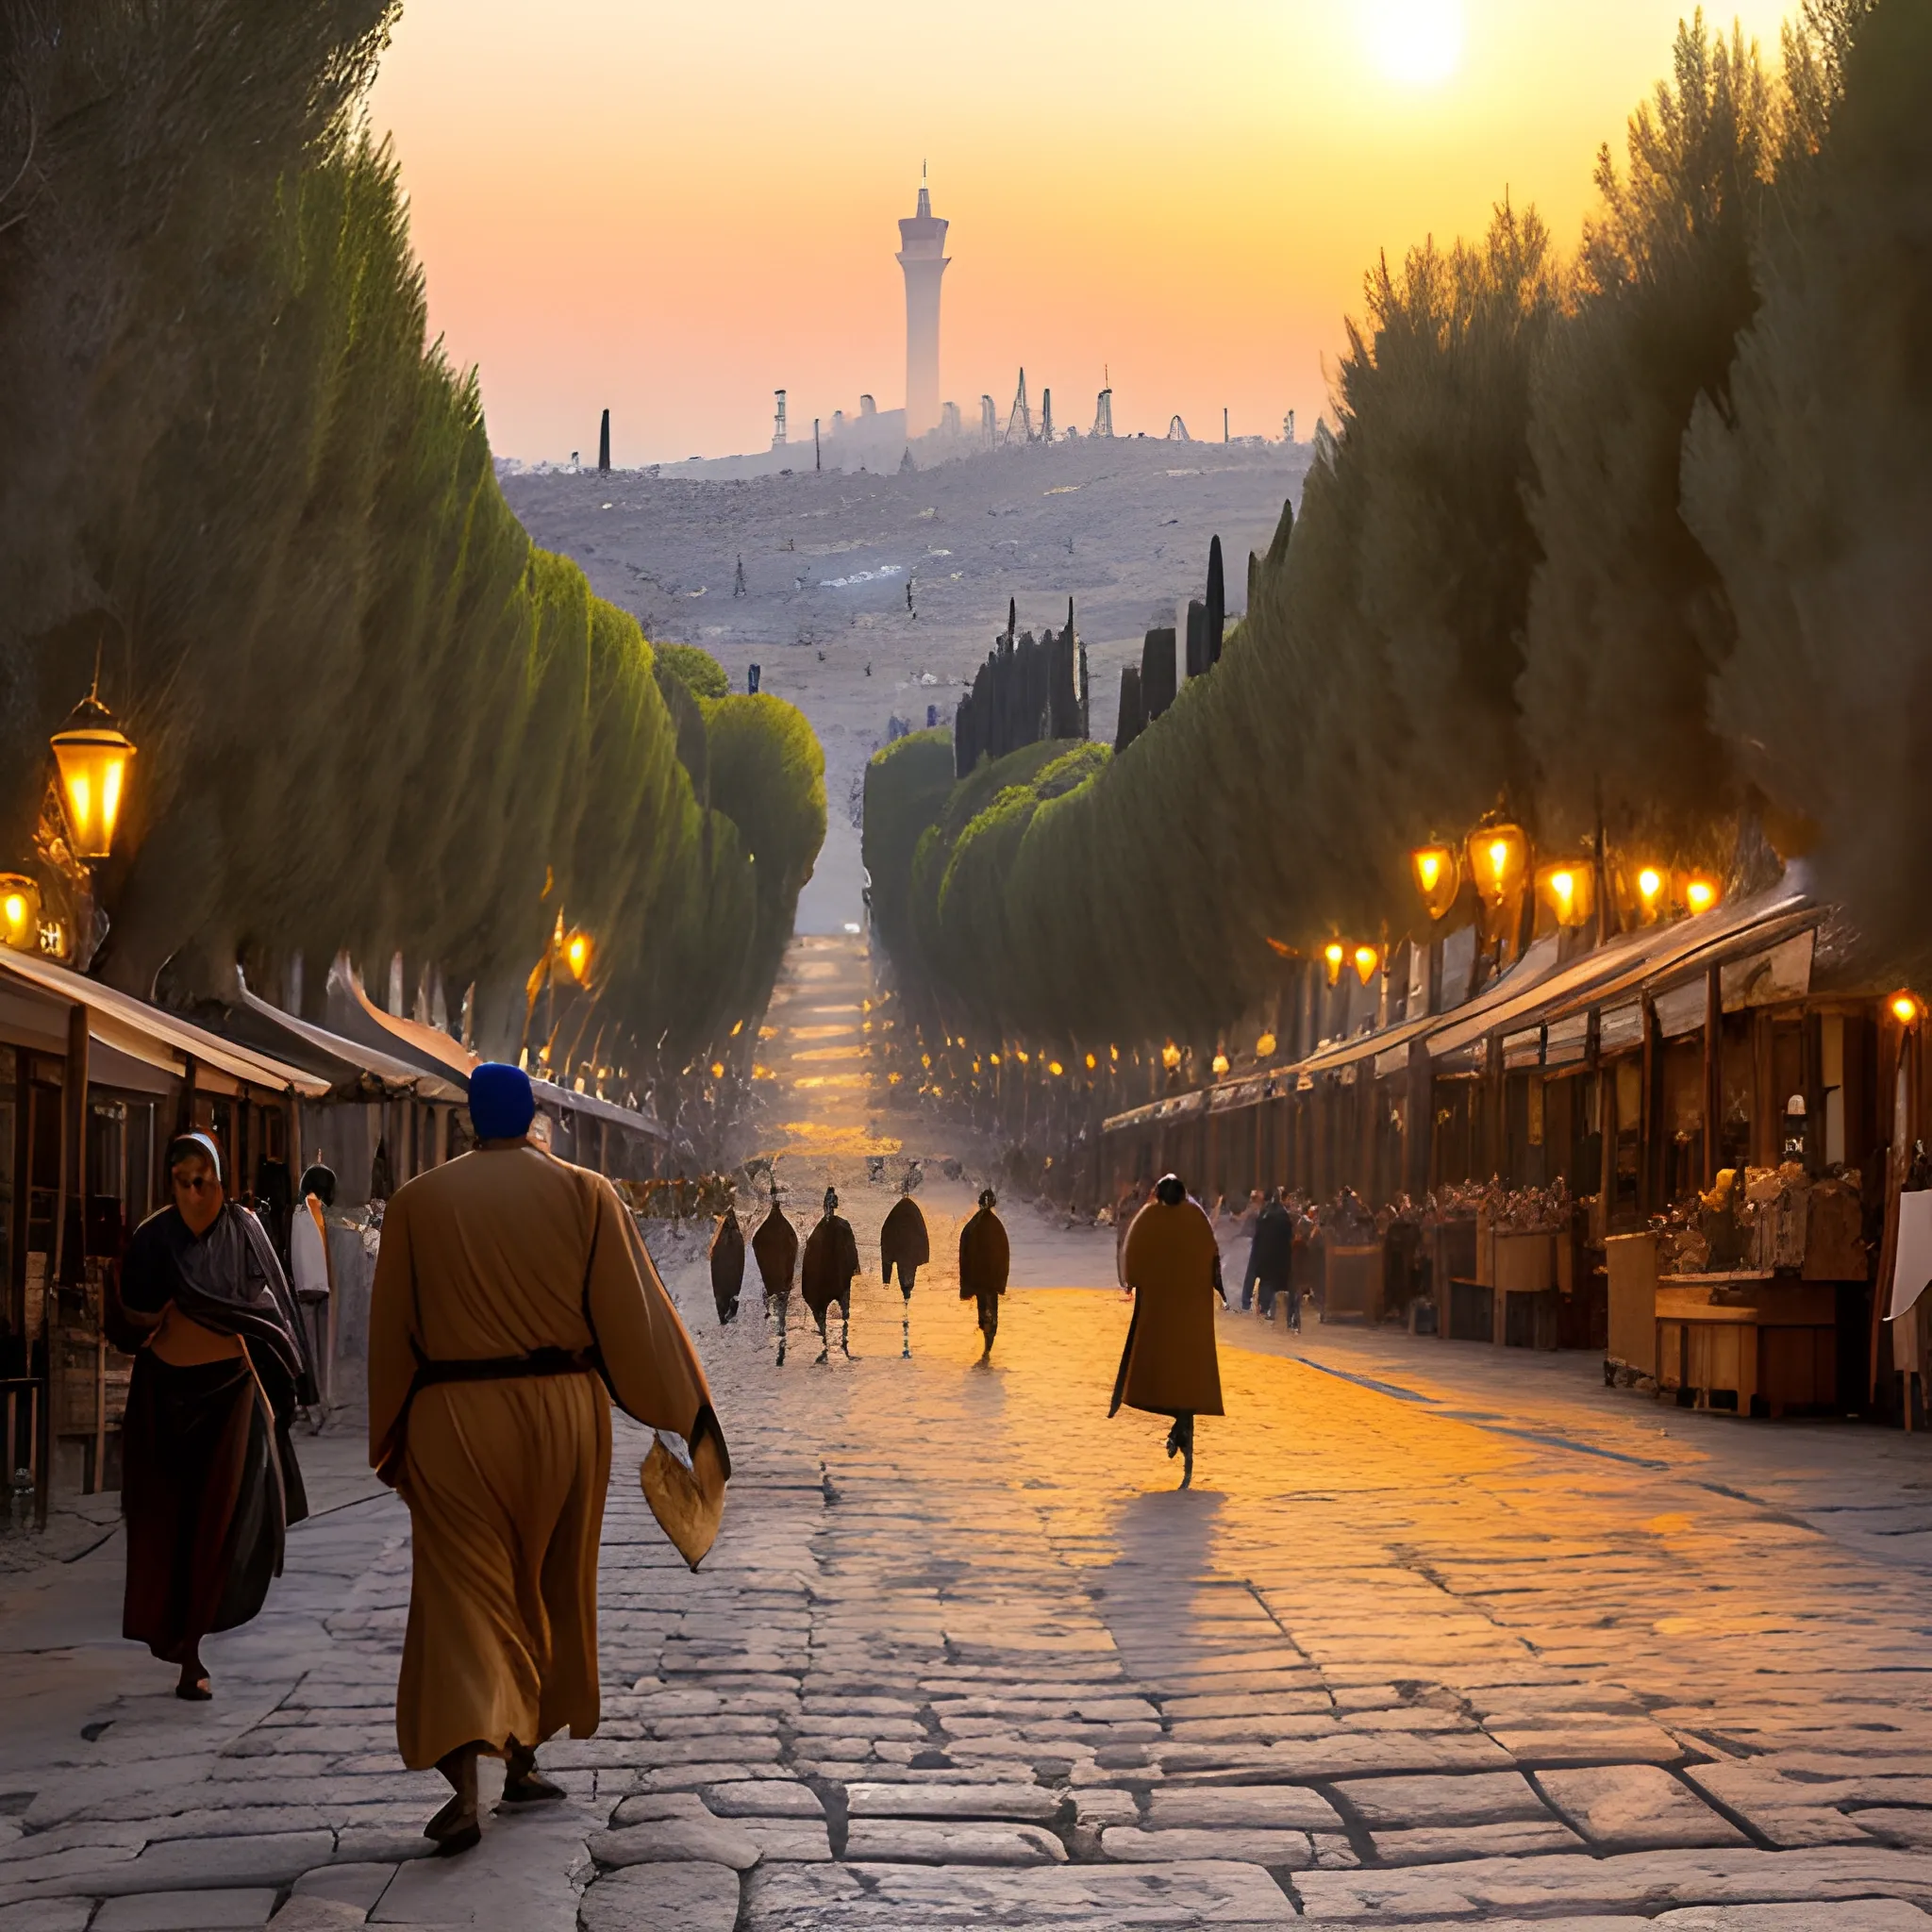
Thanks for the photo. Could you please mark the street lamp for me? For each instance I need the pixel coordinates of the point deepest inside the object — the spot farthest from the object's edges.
(1651, 883)
(1264, 1047)
(19, 912)
(1569, 890)
(1436, 876)
(1219, 1063)
(577, 952)
(1905, 1008)
(1367, 959)
(1170, 1056)
(91, 754)
(1498, 855)
(1700, 893)
(1334, 958)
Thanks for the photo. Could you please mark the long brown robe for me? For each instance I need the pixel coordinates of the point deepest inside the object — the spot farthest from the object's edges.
(499, 1254)
(904, 1242)
(727, 1265)
(1170, 1365)
(984, 1258)
(211, 1482)
(775, 1247)
(831, 1260)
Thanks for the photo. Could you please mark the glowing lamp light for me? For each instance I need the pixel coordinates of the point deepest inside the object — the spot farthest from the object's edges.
(1366, 961)
(1020, 1055)
(993, 1058)
(1334, 957)
(1055, 1068)
(1264, 1047)
(1170, 1055)
(19, 912)
(577, 950)
(1905, 1008)
(1700, 893)
(1497, 856)
(1091, 1064)
(717, 1070)
(91, 754)
(1650, 890)
(1569, 890)
(1220, 1064)
(1436, 877)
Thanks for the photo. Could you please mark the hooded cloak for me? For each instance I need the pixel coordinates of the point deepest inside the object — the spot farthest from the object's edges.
(902, 1242)
(211, 1482)
(1169, 1365)
(727, 1264)
(831, 1260)
(984, 1257)
(775, 1247)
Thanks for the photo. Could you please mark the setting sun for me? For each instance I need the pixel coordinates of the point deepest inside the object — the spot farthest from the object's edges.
(1417, 43)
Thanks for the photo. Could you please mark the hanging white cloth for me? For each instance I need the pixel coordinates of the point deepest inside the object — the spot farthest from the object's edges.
(1911, 1271)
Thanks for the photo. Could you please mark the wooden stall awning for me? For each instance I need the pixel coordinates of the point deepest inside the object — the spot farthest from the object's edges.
(354, 1070)
(151, 1036)
(433, 1049)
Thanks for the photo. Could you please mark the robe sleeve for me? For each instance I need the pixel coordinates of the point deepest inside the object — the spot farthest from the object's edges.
(391, 1329)
(649, 1358)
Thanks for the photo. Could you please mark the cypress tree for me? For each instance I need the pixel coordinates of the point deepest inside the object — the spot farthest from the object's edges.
(1217, 603)
(1156, 671)
(604, 445)
(1133, 718)
(1197, 638)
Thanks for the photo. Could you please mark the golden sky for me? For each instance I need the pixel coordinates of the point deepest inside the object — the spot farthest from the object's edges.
(673, 211)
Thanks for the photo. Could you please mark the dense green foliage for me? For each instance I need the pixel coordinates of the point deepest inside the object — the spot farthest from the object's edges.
(372, 713)
(694, 668)
(1501, 587)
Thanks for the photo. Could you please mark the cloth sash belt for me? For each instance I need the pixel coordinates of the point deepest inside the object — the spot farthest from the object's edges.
(509, 1368)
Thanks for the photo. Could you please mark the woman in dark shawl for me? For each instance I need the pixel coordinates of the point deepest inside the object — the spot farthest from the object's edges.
(220, 1365)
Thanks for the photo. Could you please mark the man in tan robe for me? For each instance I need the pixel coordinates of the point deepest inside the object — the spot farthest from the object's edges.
(1170, 1365)
(513, 1299)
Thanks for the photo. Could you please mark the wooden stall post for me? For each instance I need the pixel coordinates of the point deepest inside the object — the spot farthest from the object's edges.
(1714, 1071)
(1650, 1140)
(1419, 1123)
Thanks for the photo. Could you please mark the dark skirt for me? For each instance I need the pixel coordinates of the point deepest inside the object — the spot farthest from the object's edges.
(205, 1501)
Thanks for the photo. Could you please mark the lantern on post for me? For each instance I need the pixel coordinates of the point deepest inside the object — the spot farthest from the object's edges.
(1368, 960)
(1334, 958)
(1568, 890)
(1437, 880)
(1907, 1008)
(19, 912)
(1264, 1047)
(1698, 892)
(1171, 1057)
(1498, 857)
(1220, 1063)
(1649, 884)
(91, 754)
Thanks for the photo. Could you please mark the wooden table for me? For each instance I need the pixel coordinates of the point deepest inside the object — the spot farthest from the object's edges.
(1770, 1342)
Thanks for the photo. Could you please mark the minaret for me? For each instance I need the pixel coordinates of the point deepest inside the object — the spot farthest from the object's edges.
(923, 255)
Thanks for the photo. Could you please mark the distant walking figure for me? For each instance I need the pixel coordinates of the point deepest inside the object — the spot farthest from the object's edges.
(775, 1247)
(1271, 1261)
(219, 1367)
(904, 1245)
(1168, 1366)
(984, 1257)
(728, 1266)
(831, 1261)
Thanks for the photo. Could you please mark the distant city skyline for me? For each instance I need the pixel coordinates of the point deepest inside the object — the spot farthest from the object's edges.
(673, 214)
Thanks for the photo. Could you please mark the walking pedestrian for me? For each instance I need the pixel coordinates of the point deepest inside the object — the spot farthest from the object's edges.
(831, 1261)
(313, 1278)
(728, 1266)
(1168, 1366)
(1271, 1261)
(513, 1300)
(904, 1246)
(211, 1482)
(984, 1258)
(775, 1247)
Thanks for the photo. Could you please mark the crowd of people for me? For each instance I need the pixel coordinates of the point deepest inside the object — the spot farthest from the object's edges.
(514, 1302)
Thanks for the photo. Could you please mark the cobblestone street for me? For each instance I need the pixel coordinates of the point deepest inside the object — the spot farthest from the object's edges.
(1443, 1636)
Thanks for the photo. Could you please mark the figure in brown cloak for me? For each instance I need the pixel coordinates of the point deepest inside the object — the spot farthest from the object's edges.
(904, 1246)
(831, 1261)
(984, 1257)
(775, 1248)
(513, 1300)
(728, 1266)
(1169, 1366)
(211, 1482)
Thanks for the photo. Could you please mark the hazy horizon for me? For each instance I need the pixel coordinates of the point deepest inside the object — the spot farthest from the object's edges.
(672, 216)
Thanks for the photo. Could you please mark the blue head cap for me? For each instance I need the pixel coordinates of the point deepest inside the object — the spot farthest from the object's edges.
(501, 1102)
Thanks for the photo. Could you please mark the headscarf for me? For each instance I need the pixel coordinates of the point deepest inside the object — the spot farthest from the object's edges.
(502, 1103)
(321, 1182)
(183, 1145)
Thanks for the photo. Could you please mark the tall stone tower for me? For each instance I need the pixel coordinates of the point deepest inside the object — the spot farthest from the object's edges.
(923, 255)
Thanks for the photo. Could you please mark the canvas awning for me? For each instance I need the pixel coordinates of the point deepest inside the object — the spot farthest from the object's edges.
(354, 1069)
(149, 1035)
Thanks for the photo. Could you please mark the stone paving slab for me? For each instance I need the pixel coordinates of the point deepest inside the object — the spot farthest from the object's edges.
(666, 1898)
(1626, 1806)
(186, 1911)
